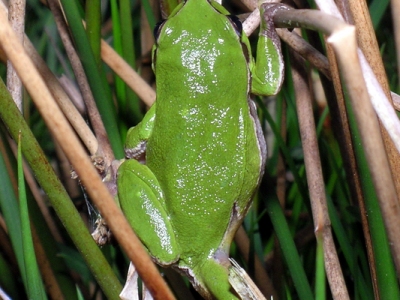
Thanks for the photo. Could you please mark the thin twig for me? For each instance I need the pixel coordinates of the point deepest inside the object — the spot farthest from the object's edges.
(308, 52)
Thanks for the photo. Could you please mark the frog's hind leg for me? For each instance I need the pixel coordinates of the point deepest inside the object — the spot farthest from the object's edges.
(214, 274)
(143, 204)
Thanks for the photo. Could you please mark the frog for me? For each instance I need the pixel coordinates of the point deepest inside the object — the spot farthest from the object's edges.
(193, 164)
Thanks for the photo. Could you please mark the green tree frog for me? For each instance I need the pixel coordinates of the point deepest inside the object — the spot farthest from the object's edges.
(202, 143)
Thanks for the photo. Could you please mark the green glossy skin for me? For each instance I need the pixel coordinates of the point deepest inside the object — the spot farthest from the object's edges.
(203, 147)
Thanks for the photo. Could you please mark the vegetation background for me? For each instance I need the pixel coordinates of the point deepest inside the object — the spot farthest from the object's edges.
(286, 245)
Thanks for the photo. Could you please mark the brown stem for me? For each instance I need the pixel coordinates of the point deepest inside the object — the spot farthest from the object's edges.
(17, 20)
(368, 43)
(94, 116)
(337, 108)
(315, 179)
(345, 47)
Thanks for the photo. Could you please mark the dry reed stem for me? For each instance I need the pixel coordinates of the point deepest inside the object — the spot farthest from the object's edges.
(17, 21)
(369, 45)
(345, 47)
(375, 96)
(315, 178)
(355, 186)
(337, 108)
(104, 147)
(384, 109)
(308, 52)
(60, 96)
(251, 23)
(124, 70)
(73, 93)
(61, 129)
(69, 110)
(314, 20)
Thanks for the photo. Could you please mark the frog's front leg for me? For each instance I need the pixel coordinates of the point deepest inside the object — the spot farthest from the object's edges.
(136, 138)
(141, 197)
(268, 70)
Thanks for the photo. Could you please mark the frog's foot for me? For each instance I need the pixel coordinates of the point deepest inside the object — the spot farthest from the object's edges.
(214, 278)
(222, 278)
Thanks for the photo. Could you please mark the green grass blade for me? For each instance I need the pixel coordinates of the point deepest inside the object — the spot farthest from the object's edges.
(124, 45)
(32, 274)
(289, 249)
(168, 6)
(128, 53)
(149, 13)
(10, 210)
(288, 158)
(117, 40)
(93, 27)
(96, 77)
(52, 249)
(386, 275)
(320, 278)
(377, 9)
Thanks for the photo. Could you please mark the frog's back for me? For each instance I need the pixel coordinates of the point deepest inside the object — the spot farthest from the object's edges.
(206, 156)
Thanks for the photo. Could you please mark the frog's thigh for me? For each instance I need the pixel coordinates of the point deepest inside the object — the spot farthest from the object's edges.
(142, 202)
(215, 278)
